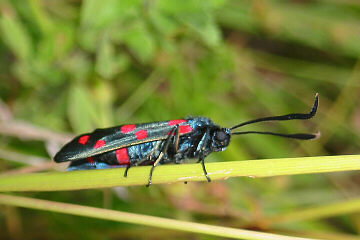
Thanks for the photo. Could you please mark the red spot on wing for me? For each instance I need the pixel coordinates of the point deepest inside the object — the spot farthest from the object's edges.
(99, 143)
(177, 121)
(141, 134)
(122, 156)
(185, 129)
(90, 160)
(127, 128)
(84, 139)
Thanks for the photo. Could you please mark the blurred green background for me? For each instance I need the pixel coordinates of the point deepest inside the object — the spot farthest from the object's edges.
(67, 67)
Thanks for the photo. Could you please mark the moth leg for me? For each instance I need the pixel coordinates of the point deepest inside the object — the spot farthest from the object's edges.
(153, 151)
(148, 158)
(126, 170)
(201, 148)
(163, 151)
(203, 167)
(176, 143)
(176, 139)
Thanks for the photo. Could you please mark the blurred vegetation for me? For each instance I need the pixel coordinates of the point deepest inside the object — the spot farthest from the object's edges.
(72, 66)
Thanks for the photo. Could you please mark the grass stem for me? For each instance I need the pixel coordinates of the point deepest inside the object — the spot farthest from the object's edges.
(56, 181)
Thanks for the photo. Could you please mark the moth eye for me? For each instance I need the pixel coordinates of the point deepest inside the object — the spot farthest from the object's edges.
(220, 136)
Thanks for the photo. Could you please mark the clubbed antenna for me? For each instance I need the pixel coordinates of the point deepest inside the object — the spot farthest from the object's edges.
(292, 116)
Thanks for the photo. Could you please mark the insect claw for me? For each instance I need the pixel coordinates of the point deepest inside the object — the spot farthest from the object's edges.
(208, 178)
(150, 176)
(204, 169)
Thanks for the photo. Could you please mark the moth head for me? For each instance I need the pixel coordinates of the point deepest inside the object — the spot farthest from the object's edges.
(220, 139)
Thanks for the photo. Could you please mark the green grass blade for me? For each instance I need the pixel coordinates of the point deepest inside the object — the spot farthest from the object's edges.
(323, 211)
(55, 181)
(138, 219)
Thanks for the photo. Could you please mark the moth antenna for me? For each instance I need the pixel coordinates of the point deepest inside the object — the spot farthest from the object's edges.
(286, 117)
(299, 136)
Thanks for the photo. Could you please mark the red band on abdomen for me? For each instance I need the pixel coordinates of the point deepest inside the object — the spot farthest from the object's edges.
(90, 160)
(122, 156)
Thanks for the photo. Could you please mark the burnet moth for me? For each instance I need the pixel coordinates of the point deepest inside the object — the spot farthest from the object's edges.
(163, 142)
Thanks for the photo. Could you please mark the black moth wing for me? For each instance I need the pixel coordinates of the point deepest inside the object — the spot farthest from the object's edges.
(109, 139)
